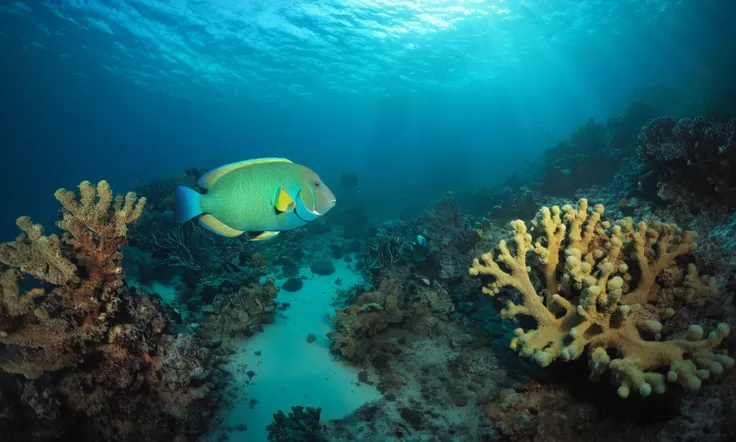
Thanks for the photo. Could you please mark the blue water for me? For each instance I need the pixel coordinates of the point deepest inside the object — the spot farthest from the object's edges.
(417, 98)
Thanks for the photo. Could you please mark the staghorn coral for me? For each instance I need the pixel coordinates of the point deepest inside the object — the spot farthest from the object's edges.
(603, 287)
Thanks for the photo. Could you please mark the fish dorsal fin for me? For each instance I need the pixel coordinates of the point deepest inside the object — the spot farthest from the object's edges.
(283, 201)
(260, 236)
(210, 178)
(213, 224)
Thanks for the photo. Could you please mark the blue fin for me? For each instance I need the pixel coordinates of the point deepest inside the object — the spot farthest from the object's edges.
(210, 178)
(188, 204)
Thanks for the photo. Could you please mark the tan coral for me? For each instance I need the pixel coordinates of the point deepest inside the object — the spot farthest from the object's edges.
(38, 255)
(45, 329)
(96, 227)
(597, 303)
(12, 302)
(97, 211)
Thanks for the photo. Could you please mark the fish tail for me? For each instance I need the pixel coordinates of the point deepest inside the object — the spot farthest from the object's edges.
(188, 203)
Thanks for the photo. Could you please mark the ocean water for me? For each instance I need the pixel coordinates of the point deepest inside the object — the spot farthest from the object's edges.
(422, 101)
(440, 95)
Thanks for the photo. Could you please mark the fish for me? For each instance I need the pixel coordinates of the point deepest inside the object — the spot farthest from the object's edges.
(420, 241)
(261, 197)
(420, 251)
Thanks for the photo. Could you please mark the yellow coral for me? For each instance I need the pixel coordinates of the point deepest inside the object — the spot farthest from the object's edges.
(597, 303)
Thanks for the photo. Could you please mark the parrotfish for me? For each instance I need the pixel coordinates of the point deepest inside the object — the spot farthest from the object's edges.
(262, 197)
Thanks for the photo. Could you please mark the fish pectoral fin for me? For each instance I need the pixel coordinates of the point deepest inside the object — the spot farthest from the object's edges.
(260, 236)
(213, 224)
(283, 201)
(210, 178)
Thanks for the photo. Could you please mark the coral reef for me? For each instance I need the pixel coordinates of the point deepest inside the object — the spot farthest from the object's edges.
(593, 152)
(35, 327)
(434, 385)
(241, 313)
(690, 162)
(603, 286)
(425, 310)
(302, 424)
(82, 354)
(449, 239)
(567, 166)
(388, 247)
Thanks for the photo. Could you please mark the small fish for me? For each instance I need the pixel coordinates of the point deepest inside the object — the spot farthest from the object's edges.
(262, 197)
(450, 192)
(420, 251)
(420, 241)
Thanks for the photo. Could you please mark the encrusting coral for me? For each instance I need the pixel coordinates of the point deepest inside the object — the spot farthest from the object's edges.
(607, 286)
(423, 309)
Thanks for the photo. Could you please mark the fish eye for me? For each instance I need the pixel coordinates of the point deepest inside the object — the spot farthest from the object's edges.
(317, 184)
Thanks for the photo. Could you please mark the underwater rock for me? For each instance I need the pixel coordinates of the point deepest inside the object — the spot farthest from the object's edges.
(336, 250)
(355, 246)
(322, 266)
(289, 268)
(293, 285)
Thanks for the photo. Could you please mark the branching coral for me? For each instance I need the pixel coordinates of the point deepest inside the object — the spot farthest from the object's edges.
(96, 357)
(44, 329)
(604, 286)
(38, 255)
